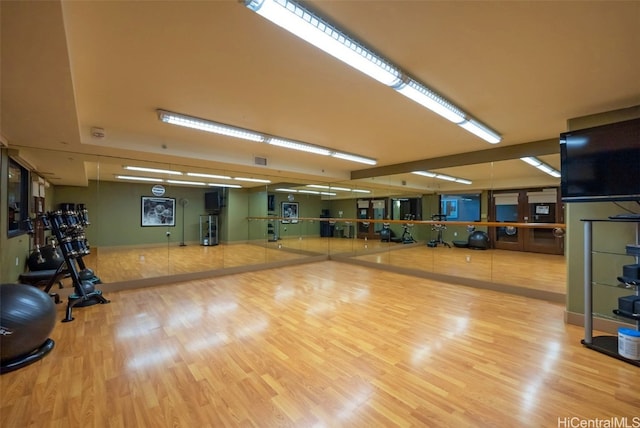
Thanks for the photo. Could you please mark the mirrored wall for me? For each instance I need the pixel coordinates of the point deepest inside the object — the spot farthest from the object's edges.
(153, 220)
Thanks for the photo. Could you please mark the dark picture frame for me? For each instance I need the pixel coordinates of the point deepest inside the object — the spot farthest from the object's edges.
(289, 212)
(157, 211)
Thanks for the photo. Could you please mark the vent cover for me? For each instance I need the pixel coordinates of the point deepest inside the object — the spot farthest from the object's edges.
(260, 161)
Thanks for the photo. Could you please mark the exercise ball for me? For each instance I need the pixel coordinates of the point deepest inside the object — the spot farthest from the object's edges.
(50, 258)
(27, 317)
(478, 240)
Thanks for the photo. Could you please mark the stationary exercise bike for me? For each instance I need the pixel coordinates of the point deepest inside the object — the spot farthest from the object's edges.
(407, 237)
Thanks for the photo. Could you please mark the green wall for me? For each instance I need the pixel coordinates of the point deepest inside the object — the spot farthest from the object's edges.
(115, 213)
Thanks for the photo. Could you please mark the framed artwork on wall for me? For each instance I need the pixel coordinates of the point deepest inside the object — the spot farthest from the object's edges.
(158, 211)
(289, 212)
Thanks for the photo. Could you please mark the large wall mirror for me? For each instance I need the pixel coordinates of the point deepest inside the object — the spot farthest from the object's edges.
(246, 228)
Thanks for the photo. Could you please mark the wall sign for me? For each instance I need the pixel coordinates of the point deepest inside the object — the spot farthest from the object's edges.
(158, 190)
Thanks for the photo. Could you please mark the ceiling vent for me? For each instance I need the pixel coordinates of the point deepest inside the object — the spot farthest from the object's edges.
(97, 132)
(260, 161)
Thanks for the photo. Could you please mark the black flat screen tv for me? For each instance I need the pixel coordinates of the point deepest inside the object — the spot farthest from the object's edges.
(213, 201)
(601, 163)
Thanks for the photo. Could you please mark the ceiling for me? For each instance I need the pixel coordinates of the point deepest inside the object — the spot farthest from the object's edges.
(522, 68)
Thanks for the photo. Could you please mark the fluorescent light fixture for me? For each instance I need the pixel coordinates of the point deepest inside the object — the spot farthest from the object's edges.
(463, 181)
(253, 180)
(481, 131)
(208, 126)
(217, 177)
(234, 186)
(159, 171)
(247, 134)
(354, 158)
(295, 145)
(311, 192)
(309, 27)
(445, 177)
(541, 166)
(328, 194)
(283, 189)
(190, 183)
(319, 186)
(305, 24)
(360, 191)
(134, 178)
(425, 173)
(442, 177)
(429, 99)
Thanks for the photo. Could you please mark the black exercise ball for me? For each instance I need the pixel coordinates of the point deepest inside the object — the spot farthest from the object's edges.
(27, 317)
(478, 240)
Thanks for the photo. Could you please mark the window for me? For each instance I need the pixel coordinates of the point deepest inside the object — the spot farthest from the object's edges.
(460, 207)
(17, 198)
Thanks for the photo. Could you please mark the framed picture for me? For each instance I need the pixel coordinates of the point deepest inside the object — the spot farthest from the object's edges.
(158, 211)
(289, 212)
(450, 208)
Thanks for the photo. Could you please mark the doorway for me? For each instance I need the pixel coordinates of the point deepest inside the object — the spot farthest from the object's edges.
(371, 209)
(527, 206)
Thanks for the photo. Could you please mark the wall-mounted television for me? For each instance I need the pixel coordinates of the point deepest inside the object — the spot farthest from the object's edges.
(601, 163)
(213, 201)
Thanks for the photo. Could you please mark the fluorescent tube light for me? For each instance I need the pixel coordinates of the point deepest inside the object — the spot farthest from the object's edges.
(424, 173)
(320, 186)
(541, 166)
(247, 134)
(190, 183)
(442, 177)
(481, 131)
(159, 171)
(253, 180)
(295, 145)
(218, 177)
(134, 178)
(429, 99)
(309, 27)
(208, 126)
(354, 158)
(360, 191)
(233, 186)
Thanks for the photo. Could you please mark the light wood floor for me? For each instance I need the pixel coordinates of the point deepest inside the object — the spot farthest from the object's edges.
(326, 344)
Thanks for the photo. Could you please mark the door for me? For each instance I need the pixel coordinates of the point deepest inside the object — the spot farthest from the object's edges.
(370, 209)
(527, 206)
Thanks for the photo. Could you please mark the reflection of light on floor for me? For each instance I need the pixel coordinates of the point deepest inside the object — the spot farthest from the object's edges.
(156, 356)
(459, 326)
(220, 308)
(212, 341)
(357, 400)
(320, 308)
(180, 318)
(249, 330)
(142, 324)
(530, 394)
(284, 293)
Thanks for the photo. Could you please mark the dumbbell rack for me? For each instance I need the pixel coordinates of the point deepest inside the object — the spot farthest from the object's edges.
(68, 228)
